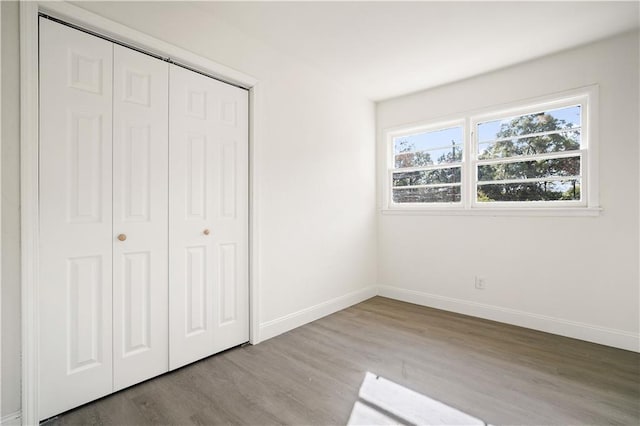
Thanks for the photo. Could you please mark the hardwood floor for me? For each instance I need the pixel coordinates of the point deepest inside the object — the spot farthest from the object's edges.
(311, 375)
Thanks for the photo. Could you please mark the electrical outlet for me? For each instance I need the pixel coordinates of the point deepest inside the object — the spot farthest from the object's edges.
(480, 283)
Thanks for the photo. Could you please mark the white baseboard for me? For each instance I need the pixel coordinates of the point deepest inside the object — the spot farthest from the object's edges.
(591, 333)
(577, 330)
(13, 419)
(283, 324)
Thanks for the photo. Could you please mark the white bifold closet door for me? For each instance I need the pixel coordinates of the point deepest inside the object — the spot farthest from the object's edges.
(140, 215)
(143, 189)
(103, 174)
(208, 216)
(75, 218)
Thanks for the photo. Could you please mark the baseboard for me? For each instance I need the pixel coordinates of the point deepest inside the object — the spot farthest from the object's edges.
(13, 419)
(577, 330)
(283, 324)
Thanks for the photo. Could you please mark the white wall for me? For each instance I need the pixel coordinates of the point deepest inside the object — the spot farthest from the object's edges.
(10, 257)
(316, 163)
(576, 276)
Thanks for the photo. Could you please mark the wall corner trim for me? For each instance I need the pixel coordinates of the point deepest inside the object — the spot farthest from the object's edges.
(591, 333)
(304, 316)
(12, 419)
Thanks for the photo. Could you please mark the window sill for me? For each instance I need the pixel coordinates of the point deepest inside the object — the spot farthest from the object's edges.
(506, 211)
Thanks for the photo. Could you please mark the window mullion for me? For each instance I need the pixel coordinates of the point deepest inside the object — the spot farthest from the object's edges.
(529, 180)
(468, 158)
(534, 157)
(427, 185)
(426, 168)
(531, 135)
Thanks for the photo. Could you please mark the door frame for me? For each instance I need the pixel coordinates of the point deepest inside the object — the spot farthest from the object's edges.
(29, 119)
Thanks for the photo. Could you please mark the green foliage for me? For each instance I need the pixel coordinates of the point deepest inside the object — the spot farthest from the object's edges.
(572, 193)
(407, 157)
(513, 139)
(482, 197)
(516, 146)
(430, 195)
(410, 158)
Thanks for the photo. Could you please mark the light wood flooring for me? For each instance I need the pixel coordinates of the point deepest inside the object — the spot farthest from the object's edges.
(311, 375)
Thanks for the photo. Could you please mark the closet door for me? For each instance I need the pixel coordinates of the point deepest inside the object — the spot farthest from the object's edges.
(140, 203)
(75, 218)
(208, 216)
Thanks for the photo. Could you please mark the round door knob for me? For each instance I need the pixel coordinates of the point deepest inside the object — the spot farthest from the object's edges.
(206, 232)
(122, 237)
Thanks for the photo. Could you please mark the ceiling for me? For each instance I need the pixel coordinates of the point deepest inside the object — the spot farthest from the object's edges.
(386, 49)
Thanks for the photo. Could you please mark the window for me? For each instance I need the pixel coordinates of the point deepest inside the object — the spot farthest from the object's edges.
(531, 157)
(428, 165)
(527, 156)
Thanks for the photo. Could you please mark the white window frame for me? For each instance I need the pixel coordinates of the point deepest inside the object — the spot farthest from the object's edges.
(390, 165)
(588, 205)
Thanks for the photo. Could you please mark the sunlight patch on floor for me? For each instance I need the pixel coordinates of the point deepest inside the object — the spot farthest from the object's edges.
(383, 402)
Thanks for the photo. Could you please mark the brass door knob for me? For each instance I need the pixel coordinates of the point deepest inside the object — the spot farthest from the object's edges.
(206, 232)
(122, 237)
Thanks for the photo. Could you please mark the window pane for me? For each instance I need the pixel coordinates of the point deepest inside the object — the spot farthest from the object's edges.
(530, 191)
(530, 169)
(426, 177)
(427, 158)
(545, 121)
(443, 194)
(428, 140)
(559, 142)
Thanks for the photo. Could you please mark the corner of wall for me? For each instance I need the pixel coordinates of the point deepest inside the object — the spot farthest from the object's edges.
(293, 320)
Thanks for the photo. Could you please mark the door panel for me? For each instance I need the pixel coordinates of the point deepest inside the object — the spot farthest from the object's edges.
(140, 203)
(196, 309)
(136, 304)
(75, 218)
(196, 175)
(84, 292)
(228, 284)
(208, 216)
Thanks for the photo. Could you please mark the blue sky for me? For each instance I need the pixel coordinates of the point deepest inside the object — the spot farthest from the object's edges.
(429, 140)
(487, 131)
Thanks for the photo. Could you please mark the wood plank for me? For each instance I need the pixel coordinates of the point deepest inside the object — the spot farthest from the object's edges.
(498, 373)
